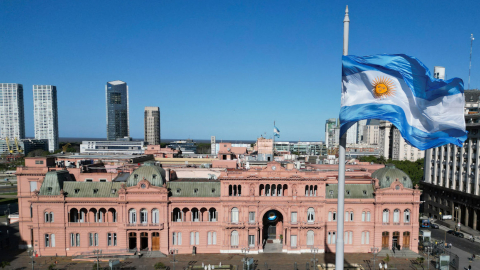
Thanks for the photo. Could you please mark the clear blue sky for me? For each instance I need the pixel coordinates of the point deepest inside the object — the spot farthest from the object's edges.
(224, 68)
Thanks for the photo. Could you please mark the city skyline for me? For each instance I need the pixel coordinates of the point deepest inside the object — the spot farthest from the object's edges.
(268, 57)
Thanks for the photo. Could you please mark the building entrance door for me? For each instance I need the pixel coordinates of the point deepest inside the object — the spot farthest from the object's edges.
(132, 240)
(272, 231)
(384, 239)
(155, 241)
(395, 241)
(406, 240)
(143, 241)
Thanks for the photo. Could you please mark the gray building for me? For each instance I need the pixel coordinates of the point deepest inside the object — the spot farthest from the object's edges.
(124, 146)
(451, 182)
(393, 146)
(116, 94)
(12, 118)
(46, 114)
(25, 146)
(330, 125)
(152, 125)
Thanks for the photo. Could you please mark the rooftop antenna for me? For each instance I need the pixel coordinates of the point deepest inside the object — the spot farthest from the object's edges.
(470, 68)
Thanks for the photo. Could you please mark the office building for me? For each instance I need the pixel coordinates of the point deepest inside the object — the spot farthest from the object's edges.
(330, 125)
(360, 127)
(125, 146)
(22, 146)
(46, 114)
(352, 134)
(301, 148)
(186, 147)
(371, 132)
(116, 93)
(274, 208)
(213, 146)
(12, 118)
(451, 175)
(393, 146)
(152, 125)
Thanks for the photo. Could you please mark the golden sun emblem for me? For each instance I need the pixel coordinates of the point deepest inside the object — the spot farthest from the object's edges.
(383, 87)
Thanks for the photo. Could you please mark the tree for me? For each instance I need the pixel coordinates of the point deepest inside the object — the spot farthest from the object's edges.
(159, 265)
(38, 153)
(4, 264)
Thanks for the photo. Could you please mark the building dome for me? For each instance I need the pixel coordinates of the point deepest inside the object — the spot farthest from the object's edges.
(389, 174)
(148, 171)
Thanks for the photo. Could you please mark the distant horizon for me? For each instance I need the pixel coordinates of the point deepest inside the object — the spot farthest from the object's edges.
(79, 139)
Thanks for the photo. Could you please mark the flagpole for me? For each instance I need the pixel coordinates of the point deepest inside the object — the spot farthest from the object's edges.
(339, 252)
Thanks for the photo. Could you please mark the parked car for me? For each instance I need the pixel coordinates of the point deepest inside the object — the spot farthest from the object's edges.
(434, 226)
(451, 232)
(459, 234)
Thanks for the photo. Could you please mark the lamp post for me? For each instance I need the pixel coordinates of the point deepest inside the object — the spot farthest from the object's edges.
(314, 260)
(173, 252)
(429, 249)
(245, 252)
(32, 254)
(374, 251)
(456, 219)
(97, 252)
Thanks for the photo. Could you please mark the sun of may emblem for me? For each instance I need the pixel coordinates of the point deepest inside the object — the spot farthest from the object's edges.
(383, 87)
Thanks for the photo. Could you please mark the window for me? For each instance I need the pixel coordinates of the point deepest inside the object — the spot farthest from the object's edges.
(311, 214)
(251, 217)
(293, 241)
(93, 239)
(48, 217)
(364, 193)
(406, 216)
(294, 217)
(348, 238)
(330, 192)
(95, 190)
(334, 216)
(195, 191)
(368, 215)
(386, 215)
(144, 216)
(33, 186)
(88, 180)
(365, 238)
(194, 238)
(155, 216)
(103, 180)
(49, 190)
(251, 240)
(363, 216)
(348, 216)
(330, 216)
(212, 238)
(47, 240)
(234, 215)
(77, 190)
(38, 161)
(177, 239)
(109, 239)
(132, 214)
(310, 238)
(347, 192)
(72, 239)
(331, 238)
(396, 216)
(234, 239)
(77, 242)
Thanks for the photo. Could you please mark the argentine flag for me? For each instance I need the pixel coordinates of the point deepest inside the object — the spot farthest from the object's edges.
(398, 88)
(276, 132)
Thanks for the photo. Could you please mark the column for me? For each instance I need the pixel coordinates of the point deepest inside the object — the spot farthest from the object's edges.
(459, 214)
(466, 216)
(474, 219)
(150, 240)
(138, 240)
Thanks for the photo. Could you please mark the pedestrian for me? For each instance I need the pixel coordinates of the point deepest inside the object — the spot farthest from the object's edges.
(380, 265)
(469, 267)
(393, 250)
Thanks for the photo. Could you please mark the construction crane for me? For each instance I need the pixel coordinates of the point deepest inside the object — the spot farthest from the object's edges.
(8, 145)
(19, 150)
(65, 147)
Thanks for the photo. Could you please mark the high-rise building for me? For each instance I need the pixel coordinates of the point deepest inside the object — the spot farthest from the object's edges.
(12, 118)
(46, 114)
(352, 134)
(330, 125)
(116, 94)
(393, 146)
(371, 132)
(152, 125)
(213, 146)
(451, 182)
(361, 124)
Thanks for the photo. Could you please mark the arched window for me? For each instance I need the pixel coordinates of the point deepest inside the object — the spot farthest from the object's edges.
(267, 190)
(279, 190)
(132, 216)
(155, 216)
(306, 191)
(177, 215)
(310, 238)
(212, 215)
(311, 190)
(396, 216)
(195, 215)
(285, 189)
(261, 190)
(368, 215)
(234, 239)
(310, 214)
(386, 214)
(230, 190)
(234, 215)
(331, 238)
(363, 216)
(330, 216)
(144, 216)
(274, 190)
(406, 216)
(315, 190)
(239, 187)
(48, 217)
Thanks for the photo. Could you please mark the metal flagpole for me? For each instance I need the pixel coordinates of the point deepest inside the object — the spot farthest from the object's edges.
(470, 67)
(339, 252)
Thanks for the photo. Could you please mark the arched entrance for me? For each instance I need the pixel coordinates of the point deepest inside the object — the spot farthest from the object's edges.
(155, 241)
(385, 240)
(144, 241)
(272, 227)
(132, 240)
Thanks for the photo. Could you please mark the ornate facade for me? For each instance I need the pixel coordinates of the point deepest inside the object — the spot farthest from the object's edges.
(295, 210)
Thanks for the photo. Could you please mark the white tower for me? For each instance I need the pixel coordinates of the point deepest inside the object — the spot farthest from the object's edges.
(46, 114)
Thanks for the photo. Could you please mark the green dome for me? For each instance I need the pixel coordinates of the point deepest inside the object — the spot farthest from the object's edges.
(389, 174)
(148, 171)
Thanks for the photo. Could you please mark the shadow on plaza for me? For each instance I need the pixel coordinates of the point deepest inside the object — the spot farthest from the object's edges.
(9, 241)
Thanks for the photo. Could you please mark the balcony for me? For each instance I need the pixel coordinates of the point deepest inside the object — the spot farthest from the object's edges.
(235, 225)
(396, 223)
(385, 223)
(191, 223)
(92, 224)
(145, 225)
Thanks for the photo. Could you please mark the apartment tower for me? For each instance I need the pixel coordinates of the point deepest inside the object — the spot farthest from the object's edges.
(152, 125)
(46, 114)
(12, 118)
(116, 94)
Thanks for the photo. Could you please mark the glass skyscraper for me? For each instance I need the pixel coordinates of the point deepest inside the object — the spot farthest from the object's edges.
(116, 93)
(46, 114)
(12, 118)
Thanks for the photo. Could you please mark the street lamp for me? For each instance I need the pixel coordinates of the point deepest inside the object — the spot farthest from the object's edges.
(314, 260)
(97, 252)
(429, 249)
(374, 251)
(173, 252)
(32, 254)
(245, 252)
(456, 219)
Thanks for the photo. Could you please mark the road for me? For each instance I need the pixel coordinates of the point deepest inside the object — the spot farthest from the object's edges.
(458, 242)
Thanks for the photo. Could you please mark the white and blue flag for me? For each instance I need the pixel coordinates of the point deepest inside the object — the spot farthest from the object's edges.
(276, 132)
(398, 88)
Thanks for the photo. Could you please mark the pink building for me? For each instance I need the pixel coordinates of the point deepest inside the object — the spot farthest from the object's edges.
(291, 209)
